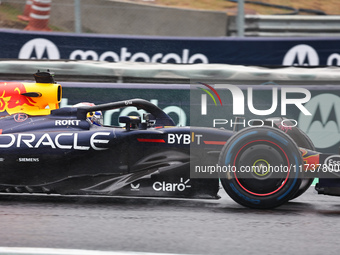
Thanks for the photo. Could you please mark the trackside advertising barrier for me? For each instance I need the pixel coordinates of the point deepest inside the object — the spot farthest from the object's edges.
(154, 73)
(314, 109)
(16, 44)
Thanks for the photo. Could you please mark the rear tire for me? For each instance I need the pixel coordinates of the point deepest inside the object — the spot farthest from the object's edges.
(261, 148)
(306, 182)
(302, 140)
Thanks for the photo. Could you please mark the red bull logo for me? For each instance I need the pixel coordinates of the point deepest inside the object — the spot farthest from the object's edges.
(311, 159)
(12, 99)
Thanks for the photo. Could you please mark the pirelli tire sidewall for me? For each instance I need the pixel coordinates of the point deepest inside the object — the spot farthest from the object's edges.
(280, 148)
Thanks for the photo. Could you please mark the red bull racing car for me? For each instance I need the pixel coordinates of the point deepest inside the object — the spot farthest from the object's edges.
(68, 151)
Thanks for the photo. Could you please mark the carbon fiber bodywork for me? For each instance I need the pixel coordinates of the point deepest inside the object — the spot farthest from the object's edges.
(64, 153)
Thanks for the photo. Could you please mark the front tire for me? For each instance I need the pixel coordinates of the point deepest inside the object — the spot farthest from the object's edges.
(265, 167)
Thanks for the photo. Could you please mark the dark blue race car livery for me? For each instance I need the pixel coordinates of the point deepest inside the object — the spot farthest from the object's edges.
(61, 151)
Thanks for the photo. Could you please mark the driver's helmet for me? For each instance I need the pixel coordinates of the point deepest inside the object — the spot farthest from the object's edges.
(96, 117)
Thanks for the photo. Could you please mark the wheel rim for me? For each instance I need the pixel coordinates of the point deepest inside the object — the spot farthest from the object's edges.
(261, 153)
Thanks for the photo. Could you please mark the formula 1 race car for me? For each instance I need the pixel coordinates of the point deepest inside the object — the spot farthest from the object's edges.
(68, 151)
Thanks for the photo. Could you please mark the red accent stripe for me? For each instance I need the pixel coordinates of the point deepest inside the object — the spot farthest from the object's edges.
(0, 131)
(150, 140)
(215, 142)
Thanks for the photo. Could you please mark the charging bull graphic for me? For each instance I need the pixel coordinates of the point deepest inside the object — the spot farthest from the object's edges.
(31, 98)
(13, 99)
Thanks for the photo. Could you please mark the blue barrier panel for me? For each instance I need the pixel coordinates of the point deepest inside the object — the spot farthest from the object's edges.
(16, 44)
(174, 100)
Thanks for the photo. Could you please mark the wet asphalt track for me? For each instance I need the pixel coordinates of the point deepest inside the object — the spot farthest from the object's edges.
(309, 225)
